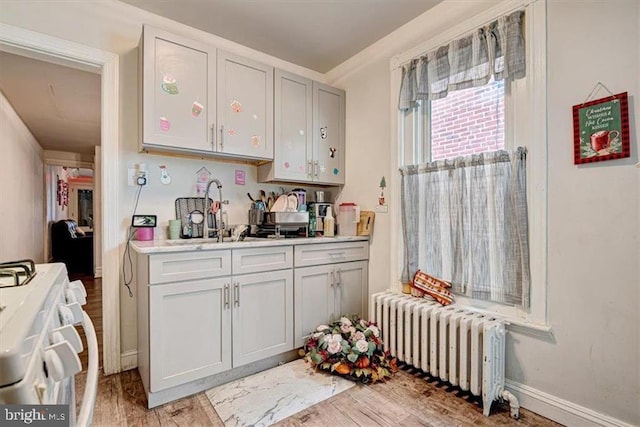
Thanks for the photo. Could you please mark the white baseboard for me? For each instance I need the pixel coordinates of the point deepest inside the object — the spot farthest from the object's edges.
(98, 272)
(129, 360)
(560, 410)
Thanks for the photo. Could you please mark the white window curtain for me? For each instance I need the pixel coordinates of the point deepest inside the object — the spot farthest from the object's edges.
(465, 220)
(496, 50)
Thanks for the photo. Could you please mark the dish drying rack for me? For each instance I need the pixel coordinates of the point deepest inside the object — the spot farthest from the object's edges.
(185, 207)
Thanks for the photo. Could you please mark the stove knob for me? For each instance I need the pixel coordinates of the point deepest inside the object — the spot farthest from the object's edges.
(62, 361)
(41, 389)
(70, 314)
(75, 292)
(67, 333)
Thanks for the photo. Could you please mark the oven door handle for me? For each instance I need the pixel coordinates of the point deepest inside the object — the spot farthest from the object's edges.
(85, 417)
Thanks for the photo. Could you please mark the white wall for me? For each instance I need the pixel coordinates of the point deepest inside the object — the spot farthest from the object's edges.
(21, 189)
(591, 364)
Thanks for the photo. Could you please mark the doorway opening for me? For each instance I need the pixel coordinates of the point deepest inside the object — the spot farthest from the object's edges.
(51, 49)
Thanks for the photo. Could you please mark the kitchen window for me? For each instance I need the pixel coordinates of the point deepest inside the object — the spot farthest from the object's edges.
(502, 113)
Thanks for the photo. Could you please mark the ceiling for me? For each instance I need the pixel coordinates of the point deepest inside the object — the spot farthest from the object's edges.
(59, 105)
(316, 34)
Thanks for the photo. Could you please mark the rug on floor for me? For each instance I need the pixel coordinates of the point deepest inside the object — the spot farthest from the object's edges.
(273, 395)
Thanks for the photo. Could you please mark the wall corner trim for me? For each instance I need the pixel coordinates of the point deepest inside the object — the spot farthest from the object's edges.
(560, 410)
(129, 360)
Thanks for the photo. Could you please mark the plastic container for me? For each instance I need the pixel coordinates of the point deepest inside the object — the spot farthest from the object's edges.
(348, 218)
(329, 223)
(144, 233)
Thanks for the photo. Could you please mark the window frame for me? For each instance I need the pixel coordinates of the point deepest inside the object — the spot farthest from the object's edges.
(525, 123)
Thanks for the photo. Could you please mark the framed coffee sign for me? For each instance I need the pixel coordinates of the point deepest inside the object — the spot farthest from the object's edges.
(601, 129)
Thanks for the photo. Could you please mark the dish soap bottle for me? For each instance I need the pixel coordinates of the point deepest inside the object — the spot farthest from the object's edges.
(329, 223)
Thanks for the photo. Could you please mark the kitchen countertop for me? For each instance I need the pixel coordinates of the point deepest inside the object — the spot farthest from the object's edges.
(185, 245)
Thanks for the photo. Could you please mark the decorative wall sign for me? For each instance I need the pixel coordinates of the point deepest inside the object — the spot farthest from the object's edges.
(240, 178)
(164, 175)
(601, 129)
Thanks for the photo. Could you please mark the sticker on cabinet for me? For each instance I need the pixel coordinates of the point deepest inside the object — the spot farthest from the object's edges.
(323, 132)
(300, 168)
(236, 106)
(169, 84)
(196, 109)
(231, 132)
(255, 117)
(323, 169)
(336, 171)
(332, 152)
(165, 124)
(286, 165)
(255, 141)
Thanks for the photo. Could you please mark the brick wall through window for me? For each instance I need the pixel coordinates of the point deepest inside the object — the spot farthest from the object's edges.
(468, 121)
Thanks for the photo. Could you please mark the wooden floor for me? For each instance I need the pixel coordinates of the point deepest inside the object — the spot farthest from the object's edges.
(409, 399)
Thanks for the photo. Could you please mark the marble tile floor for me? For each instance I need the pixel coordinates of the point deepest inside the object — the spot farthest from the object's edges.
(272, 395)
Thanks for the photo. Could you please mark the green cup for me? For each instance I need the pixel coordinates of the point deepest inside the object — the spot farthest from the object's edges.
(174, 228)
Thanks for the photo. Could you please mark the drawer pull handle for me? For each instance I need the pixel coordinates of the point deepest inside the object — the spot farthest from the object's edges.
(236, 294)
(226, 295)
(339, 277)
(332, 254)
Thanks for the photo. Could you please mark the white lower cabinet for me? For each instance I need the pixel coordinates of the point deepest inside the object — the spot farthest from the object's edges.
(262, 315)
(324, 293)
(189, 332)
(202, 313)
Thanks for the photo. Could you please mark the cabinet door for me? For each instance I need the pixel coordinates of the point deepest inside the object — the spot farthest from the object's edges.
(293, 136)
(178, 92)
(245, 107)
(262, 315)
(351, 288)
(314, 300)
(328, 133)
(189, 337)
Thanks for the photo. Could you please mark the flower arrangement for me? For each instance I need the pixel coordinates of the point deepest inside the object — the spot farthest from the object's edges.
(352, 348)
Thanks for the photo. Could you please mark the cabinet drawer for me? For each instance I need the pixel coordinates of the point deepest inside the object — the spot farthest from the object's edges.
(176, 267)
(330, 253)
(257, 260)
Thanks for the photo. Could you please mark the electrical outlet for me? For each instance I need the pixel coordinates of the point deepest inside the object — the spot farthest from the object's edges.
(132, 174)
(141, 178)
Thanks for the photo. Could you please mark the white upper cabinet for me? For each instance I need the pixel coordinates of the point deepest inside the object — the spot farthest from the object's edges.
(178, 92)
(328, 134)
(309, 132)
(293, 135)
(245, 107)
(198, 99)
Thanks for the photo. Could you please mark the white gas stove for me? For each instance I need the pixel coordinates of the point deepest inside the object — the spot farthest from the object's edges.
(39, 344)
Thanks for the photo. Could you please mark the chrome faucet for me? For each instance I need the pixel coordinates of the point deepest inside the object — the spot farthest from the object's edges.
(207, 209)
